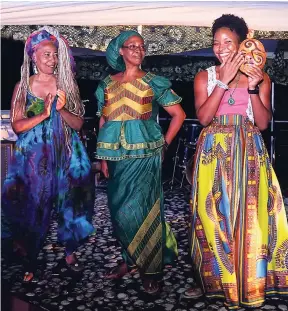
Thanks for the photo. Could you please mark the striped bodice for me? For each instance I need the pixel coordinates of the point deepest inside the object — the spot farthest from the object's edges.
(128, 101)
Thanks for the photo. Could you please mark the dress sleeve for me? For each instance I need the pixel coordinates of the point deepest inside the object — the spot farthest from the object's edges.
(164, 95)
(100, 97)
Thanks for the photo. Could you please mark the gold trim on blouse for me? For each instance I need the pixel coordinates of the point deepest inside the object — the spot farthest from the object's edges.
(128, 101)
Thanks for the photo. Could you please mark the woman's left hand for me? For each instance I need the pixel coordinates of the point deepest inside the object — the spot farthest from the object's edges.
(61, 101)
(255, 76)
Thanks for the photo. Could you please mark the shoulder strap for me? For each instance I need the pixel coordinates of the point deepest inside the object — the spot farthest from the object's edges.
(211, 79)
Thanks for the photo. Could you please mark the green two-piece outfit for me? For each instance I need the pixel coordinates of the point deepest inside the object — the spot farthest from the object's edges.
(131, 140)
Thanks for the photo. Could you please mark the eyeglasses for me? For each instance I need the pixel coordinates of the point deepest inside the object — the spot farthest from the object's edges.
(133, 47)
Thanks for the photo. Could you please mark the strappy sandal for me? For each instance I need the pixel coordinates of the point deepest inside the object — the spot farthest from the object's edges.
(193, 293)
(151, 286)
(29, 268)
(54, 247)
(28, 277)
(75, 265)
(119, 271)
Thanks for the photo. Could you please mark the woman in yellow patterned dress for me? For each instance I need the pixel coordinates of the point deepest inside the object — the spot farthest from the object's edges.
(130, 145)
(239, 232)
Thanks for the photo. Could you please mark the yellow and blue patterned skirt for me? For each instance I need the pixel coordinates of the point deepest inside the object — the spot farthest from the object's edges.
(239, 231)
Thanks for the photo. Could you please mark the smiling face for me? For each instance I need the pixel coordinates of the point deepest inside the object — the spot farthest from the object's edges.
(46, 57)
(254, 53)
(133, 51)
(225, 42)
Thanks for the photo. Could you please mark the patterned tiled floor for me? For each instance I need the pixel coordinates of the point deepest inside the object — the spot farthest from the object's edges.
(58, 289)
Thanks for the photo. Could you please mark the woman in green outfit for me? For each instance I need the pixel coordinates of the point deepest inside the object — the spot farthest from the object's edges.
(130, 145)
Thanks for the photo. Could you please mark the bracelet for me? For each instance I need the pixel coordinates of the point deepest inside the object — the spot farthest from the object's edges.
(256, 91)
(222, 85)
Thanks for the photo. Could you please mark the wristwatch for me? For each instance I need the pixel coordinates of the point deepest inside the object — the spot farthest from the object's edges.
(256, 91)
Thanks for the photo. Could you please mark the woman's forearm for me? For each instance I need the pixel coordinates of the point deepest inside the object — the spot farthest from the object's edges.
(23, 125)
(174, 127)
(71, 119)
(262, 115)
(206, 112)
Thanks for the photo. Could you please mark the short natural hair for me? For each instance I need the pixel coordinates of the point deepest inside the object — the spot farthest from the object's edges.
(234, 23)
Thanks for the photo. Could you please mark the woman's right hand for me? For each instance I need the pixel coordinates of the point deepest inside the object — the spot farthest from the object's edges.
(229, 68)
(104, 168)
(48, 105)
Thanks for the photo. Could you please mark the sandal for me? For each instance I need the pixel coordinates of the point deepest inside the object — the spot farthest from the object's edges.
(74, 265)
(28, 277)
(53, 247)
(29, 268)
(151, 286)
(193, 293)
(120, 271)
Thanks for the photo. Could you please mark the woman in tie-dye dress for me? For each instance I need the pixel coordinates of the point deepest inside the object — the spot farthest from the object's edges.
(50, 167)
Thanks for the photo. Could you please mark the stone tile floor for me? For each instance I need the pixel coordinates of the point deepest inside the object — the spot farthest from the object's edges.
(57, 288)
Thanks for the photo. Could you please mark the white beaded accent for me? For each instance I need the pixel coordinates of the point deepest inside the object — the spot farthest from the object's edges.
(222, 85)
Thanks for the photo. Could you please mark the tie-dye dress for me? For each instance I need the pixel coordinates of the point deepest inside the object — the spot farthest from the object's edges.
(43, 176)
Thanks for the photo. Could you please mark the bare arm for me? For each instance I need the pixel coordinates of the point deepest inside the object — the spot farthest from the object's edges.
(178, 116)
(75, 122)
(104, 166)
(21, 124)
(260, 102)
(206, 107)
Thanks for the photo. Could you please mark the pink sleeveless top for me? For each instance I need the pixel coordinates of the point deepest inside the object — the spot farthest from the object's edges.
(241, 98)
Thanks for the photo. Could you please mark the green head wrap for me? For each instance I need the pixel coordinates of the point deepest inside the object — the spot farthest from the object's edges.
(114, 59)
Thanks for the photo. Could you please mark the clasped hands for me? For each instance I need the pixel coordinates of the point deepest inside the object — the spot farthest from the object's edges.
(61, 101)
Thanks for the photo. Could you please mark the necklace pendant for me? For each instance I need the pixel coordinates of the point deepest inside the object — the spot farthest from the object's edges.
(231, 101)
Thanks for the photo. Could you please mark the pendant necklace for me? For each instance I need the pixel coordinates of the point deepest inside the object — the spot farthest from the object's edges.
(231, 100)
